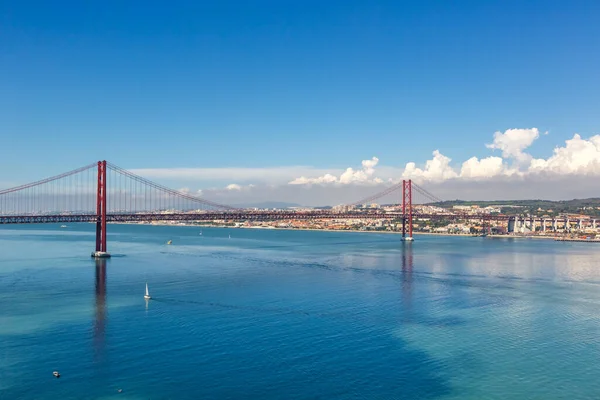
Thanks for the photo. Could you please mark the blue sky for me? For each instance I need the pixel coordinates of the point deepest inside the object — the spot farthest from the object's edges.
(266, 84)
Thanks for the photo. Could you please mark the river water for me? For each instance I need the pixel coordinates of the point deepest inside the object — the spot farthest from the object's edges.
(273, 314)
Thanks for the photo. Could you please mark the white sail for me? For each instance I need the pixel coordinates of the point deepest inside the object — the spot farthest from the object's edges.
(147, 295)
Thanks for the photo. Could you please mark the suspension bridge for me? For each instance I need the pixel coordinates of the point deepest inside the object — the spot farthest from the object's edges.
(103, 193)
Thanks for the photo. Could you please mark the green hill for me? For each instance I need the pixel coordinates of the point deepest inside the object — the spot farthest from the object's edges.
(589, 206)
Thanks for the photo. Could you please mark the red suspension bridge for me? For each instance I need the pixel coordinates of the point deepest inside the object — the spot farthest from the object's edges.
(102, 193)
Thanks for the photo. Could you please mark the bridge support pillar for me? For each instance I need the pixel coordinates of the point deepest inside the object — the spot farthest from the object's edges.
(407, 211)
(485, 226)
(511, 225)
(101, 250)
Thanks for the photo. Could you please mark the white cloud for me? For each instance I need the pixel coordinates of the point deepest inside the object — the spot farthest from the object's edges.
(579, 156)
(327, 178)
(232, 187)
(481, 169)
(364, 175)
(513, 141)
(369, 165)
(437, 169)
(184, 190)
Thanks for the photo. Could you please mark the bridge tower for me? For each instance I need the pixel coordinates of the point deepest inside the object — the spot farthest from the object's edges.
(407, 211)
(101, 251)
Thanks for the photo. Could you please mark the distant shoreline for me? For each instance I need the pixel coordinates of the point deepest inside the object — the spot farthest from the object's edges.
(342, 230)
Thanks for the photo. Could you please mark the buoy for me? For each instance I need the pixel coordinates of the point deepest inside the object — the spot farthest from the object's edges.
(56, 374)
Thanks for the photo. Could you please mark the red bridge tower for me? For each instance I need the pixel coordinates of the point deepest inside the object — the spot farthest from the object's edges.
(407, 211)
(101, 251)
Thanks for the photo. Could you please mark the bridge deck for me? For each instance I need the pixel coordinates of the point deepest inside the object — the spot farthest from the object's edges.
(231, 216)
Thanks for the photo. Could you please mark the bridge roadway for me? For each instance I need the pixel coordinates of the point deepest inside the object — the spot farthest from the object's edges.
(232, 216)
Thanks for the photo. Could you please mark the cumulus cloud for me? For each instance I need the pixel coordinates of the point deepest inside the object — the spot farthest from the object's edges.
(361, 176)
(513, 141)
(327, 178)
(437, 169)
(578, 157)
(233, 186)
(489, 167)
(184, 190)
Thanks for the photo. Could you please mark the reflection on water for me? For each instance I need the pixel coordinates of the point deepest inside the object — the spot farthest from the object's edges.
(100, 303)
(407, 278)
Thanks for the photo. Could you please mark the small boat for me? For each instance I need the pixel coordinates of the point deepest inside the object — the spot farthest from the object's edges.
(229, 236)
(200, 233)
(63, 226)
(169, 242)
(147, 295)
(56, 374)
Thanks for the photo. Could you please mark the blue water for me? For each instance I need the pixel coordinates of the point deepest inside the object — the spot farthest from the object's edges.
(272, 314)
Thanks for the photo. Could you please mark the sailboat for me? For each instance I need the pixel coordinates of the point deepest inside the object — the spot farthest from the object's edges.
(169, 242)
(147, 295)
(229, 236)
